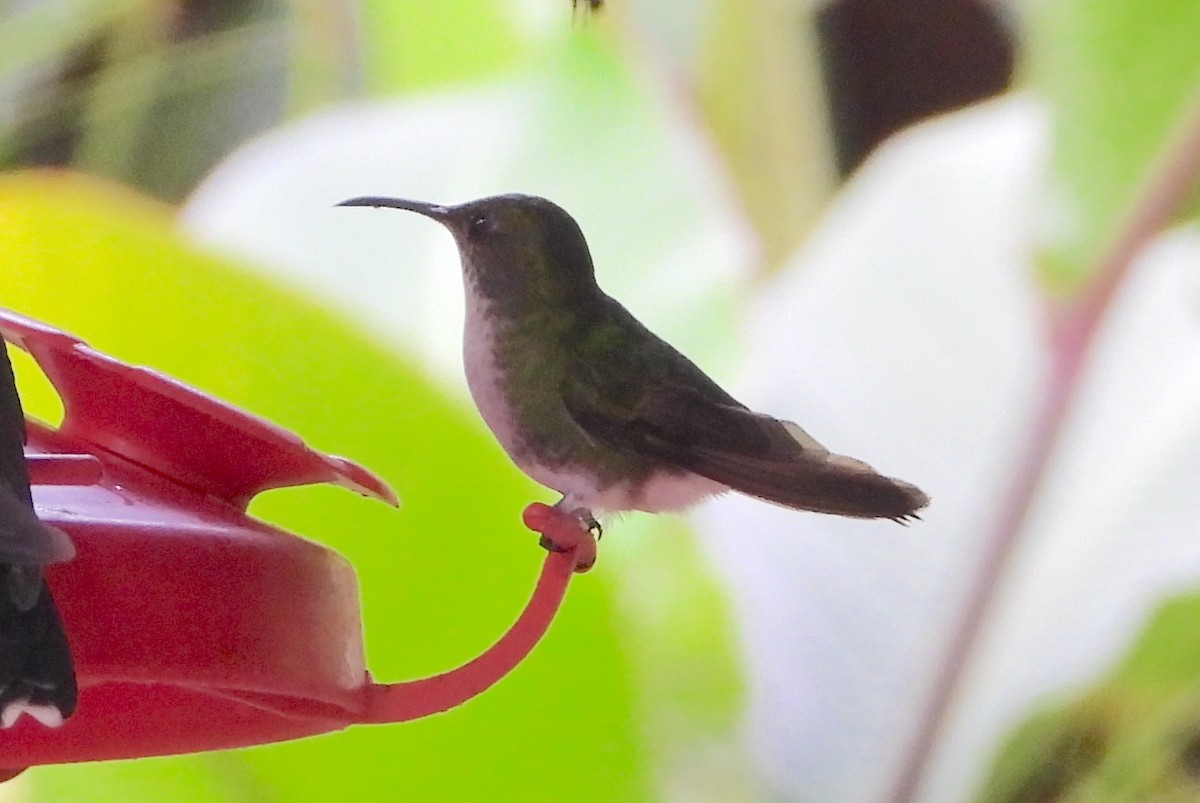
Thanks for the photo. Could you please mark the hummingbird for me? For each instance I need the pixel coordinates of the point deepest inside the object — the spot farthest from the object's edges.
(590, 403)
(37, 676)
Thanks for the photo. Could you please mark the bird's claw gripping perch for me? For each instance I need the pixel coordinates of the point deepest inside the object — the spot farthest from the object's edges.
(562, 532)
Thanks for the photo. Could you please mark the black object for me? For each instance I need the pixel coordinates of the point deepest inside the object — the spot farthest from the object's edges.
(36, 673)
(888, 64)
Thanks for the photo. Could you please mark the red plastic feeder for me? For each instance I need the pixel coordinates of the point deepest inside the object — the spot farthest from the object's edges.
(194, 627)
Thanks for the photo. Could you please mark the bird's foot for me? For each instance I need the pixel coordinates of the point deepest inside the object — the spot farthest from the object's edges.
(585, 517)
(564, 532)
(591, 525)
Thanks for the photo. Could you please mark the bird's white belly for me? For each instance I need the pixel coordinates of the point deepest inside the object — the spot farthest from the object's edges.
(485, 382)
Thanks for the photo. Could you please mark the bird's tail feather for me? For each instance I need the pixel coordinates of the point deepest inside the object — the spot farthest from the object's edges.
(825, 483)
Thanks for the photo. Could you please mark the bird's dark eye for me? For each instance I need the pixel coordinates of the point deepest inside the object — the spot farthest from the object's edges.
(481, 225)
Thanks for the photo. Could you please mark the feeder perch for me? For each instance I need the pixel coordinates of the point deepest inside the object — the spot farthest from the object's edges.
(193, 626)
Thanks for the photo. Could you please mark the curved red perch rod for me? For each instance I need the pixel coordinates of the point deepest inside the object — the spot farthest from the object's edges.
(418, 698)
(192, 625)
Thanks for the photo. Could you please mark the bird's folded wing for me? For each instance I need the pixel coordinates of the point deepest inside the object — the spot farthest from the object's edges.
(682, 419)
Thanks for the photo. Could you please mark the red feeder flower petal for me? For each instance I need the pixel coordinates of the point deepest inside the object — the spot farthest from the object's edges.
(193, 626)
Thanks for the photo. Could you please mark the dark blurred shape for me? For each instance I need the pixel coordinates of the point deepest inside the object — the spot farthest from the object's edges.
(52, 110)
(36, 673)
(1189, 753)
(889, 64)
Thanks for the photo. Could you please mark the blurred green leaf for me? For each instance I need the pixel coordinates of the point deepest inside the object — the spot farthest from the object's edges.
(1049, 754)
(150, 92)
(1134, 738)
(34, 44)
(762, 94)
(1120, 75)
(440, 579)
(1167, 655)
(414, 44)
(166, 103)
(678, 632)
(180, 779)
(43, 31)
(324, 53)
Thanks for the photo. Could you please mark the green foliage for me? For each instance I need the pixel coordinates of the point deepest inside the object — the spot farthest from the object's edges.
(1167, 654)
(1049, 754)
(441, 578)
(1119, 75)
(40, 33)
(146, 92)
(762, 94)
(1134, 738)
(413, 44)
(154, 93)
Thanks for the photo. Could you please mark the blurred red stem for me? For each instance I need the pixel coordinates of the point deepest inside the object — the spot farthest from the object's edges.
(1169, 182)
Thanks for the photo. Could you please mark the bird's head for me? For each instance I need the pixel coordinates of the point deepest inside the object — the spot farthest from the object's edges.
(513, 247)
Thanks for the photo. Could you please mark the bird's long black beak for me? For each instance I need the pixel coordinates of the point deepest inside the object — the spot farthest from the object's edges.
(436, 211)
